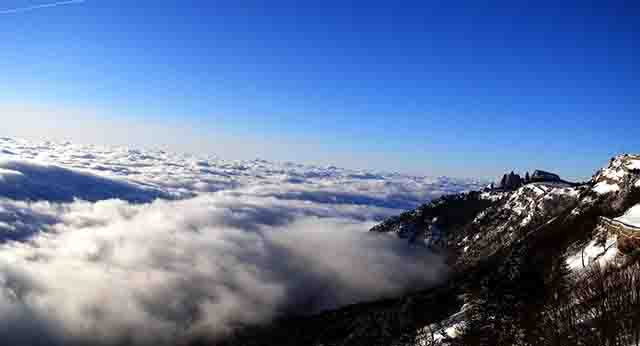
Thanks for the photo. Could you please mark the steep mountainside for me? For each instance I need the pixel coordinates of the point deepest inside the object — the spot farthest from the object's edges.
(514, 256)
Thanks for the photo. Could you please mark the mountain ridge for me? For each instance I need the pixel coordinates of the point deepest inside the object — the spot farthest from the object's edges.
(507, 249)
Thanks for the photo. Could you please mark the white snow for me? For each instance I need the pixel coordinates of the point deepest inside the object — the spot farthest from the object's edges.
(535, 199)
(453, 331)
(603, 187)
(593, 252)
(492, 196)
(567, 191)
(633, 164)
(613, 174)
(526, 219)
(632, 216)
(453, 326)
(618, 168)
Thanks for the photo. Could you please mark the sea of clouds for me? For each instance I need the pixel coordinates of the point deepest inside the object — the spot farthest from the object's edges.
(117, 246)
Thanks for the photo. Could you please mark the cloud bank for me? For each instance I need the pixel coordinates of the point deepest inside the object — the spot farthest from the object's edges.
(116, 273)
(117, 246)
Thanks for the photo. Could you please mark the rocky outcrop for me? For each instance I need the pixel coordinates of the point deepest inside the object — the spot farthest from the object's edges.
(511, 181)
(543, 176)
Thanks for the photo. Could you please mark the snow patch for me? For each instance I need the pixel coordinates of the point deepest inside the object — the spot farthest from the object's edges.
(634, 164)
(491, 196)
(593, 252)
(603, 188)
(527, 219)
(452, 331)
(613, 174)
(632, 216)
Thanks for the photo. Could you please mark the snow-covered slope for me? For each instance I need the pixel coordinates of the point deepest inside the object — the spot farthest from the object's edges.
(596, 251)
(495, 237)
(622, 170)
(532, 206)
(631, 216)
(518, 213)
(612, 196)
(614, 239)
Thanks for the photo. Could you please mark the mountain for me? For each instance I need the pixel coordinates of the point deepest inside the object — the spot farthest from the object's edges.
(549, 263)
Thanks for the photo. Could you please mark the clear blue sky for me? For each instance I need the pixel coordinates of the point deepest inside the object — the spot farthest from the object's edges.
(464, 89)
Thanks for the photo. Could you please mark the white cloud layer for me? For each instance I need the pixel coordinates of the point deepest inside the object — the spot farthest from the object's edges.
(91, 255)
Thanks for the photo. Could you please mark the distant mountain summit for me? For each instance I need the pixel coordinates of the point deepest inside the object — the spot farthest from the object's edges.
(512, 181)
(541, 176)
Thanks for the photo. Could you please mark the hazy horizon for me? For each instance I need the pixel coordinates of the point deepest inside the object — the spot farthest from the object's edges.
(181, 138)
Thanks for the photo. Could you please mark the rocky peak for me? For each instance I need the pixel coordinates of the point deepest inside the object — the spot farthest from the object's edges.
(511, 181)
(540, 175)
(623, 172)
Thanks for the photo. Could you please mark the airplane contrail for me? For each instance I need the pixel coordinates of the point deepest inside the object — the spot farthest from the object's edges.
(37, 7)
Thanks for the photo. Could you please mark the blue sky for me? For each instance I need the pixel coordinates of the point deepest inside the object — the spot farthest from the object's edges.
(420, 87)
